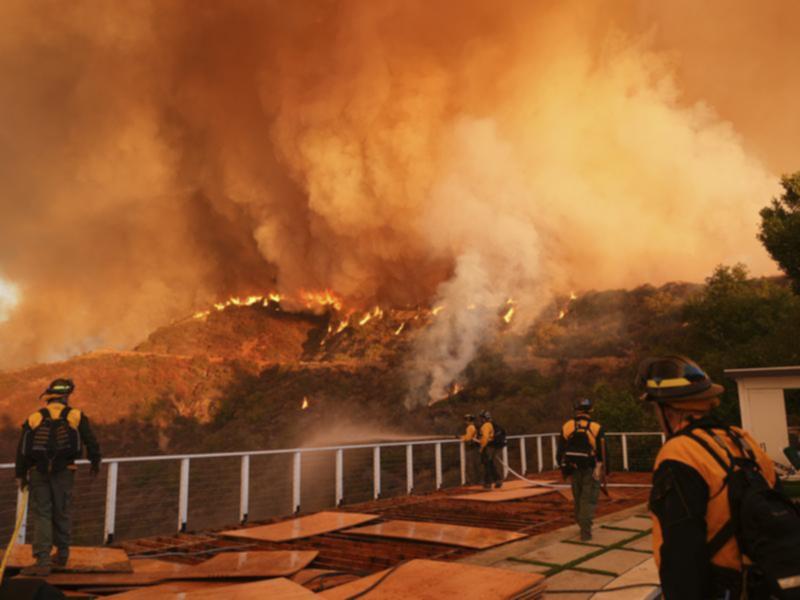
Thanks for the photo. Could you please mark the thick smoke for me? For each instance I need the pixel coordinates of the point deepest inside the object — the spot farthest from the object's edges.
(157, 156)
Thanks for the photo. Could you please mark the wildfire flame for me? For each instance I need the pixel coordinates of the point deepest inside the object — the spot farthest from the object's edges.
(509, 314)
(325, 298)
(376, 313)
(573, 296)
(436, 310)
(399, 330)
(456, 388)
(274, 297)
(343, 325)
(202, 314)
(304, 405)
(561, 314)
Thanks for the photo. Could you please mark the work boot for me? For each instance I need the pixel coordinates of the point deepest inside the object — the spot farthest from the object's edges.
(586, 535)
(498, 484)
(60, 560)
(487, 486)
(37, 570)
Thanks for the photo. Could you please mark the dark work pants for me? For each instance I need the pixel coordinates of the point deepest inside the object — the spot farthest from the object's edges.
(585, 489)
(473, 468)
(489, 467)
(51, 509)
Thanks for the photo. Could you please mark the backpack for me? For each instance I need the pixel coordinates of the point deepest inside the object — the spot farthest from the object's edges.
(499, 439)
(579, 449)
(765, 523)
(51, 441)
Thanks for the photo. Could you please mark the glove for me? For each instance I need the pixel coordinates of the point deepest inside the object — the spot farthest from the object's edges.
(598, 472)
(23, 483)
(94, 470)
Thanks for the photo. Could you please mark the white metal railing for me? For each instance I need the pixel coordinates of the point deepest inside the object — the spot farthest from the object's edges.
(296, 454)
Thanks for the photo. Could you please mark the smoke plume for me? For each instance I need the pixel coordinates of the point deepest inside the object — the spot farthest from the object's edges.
(157, 156)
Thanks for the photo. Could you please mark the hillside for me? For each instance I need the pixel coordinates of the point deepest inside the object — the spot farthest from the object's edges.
(238, 376)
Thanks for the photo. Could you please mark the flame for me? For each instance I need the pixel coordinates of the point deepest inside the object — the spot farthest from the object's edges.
(343, 325)
(573, 296)
(273, 297)
(365, 319)
(377, 313)
(304, 405)
(202, 314)
(456, 388)
(509, 314)
(325, 298)
(437, 309)
(399, 330)
(561, 314)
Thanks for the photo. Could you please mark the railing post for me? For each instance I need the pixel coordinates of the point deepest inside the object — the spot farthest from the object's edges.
(244, 490)
(409, 468)
(22, 507)
(183, 496)
(111, 502)
(624, 452)
(376, 472)
(505, 461)
(539, 453)
(296, 475)
(554, 448)
(462, 457)
(663, 438)
(438, 461)
(523, 458)
(339, 477)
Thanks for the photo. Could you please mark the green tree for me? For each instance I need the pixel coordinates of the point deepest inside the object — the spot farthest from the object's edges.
(780, 228)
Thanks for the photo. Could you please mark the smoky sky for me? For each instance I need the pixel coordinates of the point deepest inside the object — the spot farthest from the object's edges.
(156, 157)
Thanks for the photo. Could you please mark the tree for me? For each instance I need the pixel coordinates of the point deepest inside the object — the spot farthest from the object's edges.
(780, 228)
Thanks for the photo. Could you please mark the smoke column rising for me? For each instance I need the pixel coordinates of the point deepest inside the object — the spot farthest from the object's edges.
(158, 156)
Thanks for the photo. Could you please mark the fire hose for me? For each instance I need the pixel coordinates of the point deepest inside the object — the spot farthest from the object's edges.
(564, 486)
(14, 535)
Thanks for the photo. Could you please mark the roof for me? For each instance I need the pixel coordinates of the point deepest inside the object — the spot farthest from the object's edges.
(763, 372)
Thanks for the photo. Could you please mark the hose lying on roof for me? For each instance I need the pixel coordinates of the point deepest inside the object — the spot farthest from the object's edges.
(564, 486)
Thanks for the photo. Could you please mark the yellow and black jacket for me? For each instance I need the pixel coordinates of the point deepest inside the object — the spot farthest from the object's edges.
(595, 434)
(76, 420)
(471, 434)
(690, 506)
(487, 434)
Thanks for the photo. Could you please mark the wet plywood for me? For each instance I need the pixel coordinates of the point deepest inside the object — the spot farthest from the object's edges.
(151, 565)
(430, 579)
(164, 589)
(268, 563)
(274, 589)
(82, 559)
(505, 496)
(452, 535)
(303, 527)
(228, 565)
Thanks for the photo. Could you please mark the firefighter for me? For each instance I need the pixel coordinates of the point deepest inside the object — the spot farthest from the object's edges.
(488, 450)
(581, 453)
(694, 547)
(52, 439)
(472, 450)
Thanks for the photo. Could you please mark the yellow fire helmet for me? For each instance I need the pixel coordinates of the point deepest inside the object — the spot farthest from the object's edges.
(676, 380)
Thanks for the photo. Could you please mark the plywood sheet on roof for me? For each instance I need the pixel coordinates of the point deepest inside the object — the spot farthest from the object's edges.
(82, 559)
(612, 495)
(440, 533)
(303, 527)
(505, 496)
(269, 563)
(153, 565)
(274, 589)
(228, 565)
(430, 580)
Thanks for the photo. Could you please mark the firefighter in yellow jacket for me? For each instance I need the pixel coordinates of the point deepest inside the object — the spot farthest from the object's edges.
(581, 454)
(694, 547)
(472, 450)
(52, 440)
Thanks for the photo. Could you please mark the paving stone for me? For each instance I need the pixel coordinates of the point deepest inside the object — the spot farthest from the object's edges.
(606, 537)
(615, 561)
(575, 580)
(513, 565)
(559, 553)
(637, 523)
(645, 572)
(645, 543)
